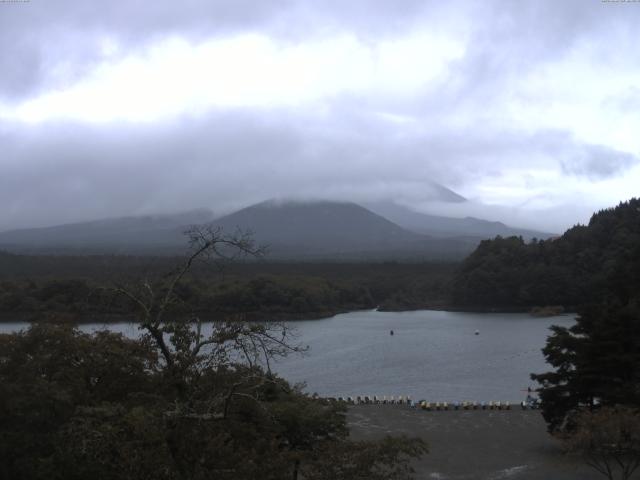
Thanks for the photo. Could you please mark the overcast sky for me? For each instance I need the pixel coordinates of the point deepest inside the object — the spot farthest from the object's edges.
(530, 109)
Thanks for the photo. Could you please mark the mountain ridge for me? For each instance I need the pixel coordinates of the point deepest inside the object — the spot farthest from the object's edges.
(441, 226)
(327, 228)
(312, 229)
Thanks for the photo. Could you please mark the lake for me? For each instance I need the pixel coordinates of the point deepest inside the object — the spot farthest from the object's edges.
(434, 355)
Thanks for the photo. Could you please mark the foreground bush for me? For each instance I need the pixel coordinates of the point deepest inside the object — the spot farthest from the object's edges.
(101, 406)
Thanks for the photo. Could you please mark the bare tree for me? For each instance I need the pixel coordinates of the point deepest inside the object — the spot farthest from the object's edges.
(609, 440)
(182, 343)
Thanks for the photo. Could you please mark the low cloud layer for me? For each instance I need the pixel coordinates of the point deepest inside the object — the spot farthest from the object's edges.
(126, 108)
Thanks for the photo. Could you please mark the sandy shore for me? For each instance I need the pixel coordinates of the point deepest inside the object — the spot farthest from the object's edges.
(491, 445)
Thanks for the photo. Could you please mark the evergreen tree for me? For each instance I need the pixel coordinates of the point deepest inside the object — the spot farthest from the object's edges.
(587, 262)
(596, 362)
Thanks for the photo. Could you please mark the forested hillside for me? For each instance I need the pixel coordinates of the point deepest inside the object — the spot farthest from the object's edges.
(31, 286)
(592, 261)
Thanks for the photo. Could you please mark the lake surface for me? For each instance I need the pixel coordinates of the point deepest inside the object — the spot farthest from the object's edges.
(433, 354)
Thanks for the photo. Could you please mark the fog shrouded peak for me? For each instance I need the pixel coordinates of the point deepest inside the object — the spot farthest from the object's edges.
(526, 110)
(287, 229)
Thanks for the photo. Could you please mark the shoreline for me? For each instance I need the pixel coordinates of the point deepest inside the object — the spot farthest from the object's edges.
(113, 318)
(569, 310)
(473, 444)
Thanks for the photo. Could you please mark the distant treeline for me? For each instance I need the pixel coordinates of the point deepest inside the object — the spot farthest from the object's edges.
(586, 263)
(594, 261)
(84, 287)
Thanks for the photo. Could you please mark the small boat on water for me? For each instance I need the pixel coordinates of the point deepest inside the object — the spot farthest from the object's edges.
(477, 332)
(391, 332)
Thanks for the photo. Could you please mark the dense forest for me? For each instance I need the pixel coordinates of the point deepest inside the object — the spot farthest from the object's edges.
(585, 263)
(591, 397)
(83, 287)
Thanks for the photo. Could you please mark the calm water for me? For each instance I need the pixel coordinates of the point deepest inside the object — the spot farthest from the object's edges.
(433, 355)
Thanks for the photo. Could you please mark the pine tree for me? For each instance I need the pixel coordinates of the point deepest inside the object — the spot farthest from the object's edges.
(596, 362)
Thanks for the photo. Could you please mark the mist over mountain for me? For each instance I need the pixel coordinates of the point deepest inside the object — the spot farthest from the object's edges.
(291, 229)
(441, 226)
(333, 229)
(434, 191)
(111, 235)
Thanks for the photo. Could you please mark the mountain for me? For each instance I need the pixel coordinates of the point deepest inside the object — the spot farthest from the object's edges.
(113, 235)
(439, 226)
(334, 229)
(291, 229)
(439, 193)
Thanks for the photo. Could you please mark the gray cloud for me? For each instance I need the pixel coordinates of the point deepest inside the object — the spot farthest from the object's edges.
(40, 35)
(505, 37)
(59, 172)
(627, 101)
(597, 161)
(69, 172)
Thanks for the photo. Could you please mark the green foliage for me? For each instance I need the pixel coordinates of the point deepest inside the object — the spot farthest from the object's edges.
(272, 295)
(258, 291)
(77, 406)
(596, 362)
(49, 372)
(587, 262)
